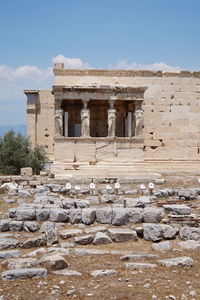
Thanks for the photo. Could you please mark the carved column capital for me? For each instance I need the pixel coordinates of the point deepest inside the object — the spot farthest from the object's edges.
(58, 103)
(111, 103)
(85, 102)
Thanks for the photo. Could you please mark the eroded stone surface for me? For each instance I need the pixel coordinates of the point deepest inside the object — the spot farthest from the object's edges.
(122, 235)
(135, 266)
(101, 238)
(183, 261)
(24, 273)
(67, 272)
(10, 254)
(84, 240)
(101, 273)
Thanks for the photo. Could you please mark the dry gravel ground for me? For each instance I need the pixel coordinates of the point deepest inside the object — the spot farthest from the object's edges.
(157, 283)
(126, 284)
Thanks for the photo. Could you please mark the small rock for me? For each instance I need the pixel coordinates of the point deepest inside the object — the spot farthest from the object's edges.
(104, 215)
(189, 245)
(70, 293)
(38, 241)
(66, 234)
(183, 261)
(122, 235)
(54, 262)
(162, 246)
(67, 272)
(101, 273)
(84, 240)
(16, 225)
(101, 238)
(152, 215)
(22, 263)
(8, 243)
(120, 216)
(88, 216)
(135, 266)
(10, 254)
(138, 256)
(31, 226)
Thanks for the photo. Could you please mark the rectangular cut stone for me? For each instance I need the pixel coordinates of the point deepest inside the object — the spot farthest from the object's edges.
(106, 151)
(85, 151)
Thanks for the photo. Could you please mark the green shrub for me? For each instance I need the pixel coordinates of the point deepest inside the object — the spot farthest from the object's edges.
(16, 153)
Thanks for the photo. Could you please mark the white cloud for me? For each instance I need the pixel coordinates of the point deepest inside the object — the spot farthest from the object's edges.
(14, 81)
(158, 66)
(71, 63)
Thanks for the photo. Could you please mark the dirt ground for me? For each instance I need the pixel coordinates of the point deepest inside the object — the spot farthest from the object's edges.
(157, 283)
(126, 284)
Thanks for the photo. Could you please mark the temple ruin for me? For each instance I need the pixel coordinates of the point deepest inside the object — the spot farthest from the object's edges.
(115, 119)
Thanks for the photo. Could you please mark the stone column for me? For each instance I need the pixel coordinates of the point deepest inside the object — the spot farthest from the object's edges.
(111, 119)
(85, 120)
(139, 120)
(58, 122)
(66, 117)
(129, 124)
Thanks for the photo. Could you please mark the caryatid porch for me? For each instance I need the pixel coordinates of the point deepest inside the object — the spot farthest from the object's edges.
(94, 124)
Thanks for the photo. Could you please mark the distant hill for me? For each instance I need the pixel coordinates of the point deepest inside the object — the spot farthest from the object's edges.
(21, 128)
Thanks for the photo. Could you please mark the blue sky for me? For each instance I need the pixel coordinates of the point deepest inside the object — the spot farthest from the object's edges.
(101, 34)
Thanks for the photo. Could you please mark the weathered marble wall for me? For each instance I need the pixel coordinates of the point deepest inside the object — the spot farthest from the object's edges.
(171, 116)
(171, 108)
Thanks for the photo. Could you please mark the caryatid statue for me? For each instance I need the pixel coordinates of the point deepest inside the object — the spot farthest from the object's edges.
(85, 121)
(58, 122)
(111, 121)
(139, 120)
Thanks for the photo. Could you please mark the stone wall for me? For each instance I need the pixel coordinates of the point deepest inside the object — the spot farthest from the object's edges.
(171, 115)
(40, 119)
(98, 150)
(171, 108)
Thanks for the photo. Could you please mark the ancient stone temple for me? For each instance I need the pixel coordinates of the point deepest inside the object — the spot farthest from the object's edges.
(113, 120)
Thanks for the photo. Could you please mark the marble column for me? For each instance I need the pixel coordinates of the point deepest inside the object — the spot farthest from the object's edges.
(58, 122)
(139, 120)
(85, 120)
(111, 119)
(66, 117)
(130, 124)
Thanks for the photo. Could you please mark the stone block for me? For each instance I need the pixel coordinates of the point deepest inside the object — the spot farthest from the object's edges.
(10, 254)
(101, 238)
(88, 216)
(26, 172)
(104, 215)
(178, 209)
(24, 274)
(120, 235)
(152, 215)
(84, 240)
(75, 216)
(59, 215)
(183, 261)
(68, 233)
(190, 233)
(120, 216)
(25, 214)
(157, 232)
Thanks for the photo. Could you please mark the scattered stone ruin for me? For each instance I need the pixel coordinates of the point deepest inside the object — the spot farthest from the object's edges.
(46, 222)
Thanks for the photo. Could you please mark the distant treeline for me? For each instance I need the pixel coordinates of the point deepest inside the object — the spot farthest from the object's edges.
(17, 129)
